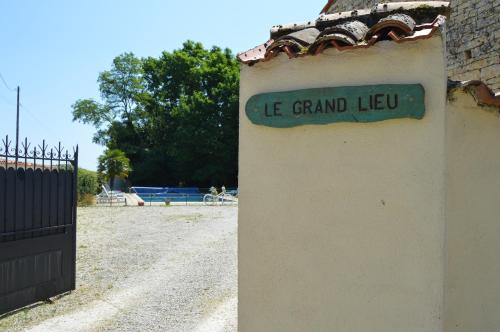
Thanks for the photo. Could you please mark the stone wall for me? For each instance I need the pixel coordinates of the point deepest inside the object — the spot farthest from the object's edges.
(473, 38)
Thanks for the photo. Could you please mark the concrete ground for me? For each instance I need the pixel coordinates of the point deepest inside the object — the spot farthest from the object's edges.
(147, 269)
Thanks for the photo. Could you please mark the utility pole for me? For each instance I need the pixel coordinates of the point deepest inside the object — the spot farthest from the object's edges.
(17, 127)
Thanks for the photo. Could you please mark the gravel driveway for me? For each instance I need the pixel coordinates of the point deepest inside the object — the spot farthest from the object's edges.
(147, 269)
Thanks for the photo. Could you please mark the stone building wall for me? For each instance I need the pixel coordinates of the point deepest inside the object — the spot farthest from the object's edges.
(473, 38)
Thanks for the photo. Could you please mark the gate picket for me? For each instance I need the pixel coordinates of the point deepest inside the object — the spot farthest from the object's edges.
(53, 200)
(68, 197)
(60, 199)
(37, 201)
(10, 204)
(19, 212)
(3, 194)
(28, 202)
(45, 200)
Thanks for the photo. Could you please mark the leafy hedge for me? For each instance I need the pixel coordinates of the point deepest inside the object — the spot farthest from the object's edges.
(88, 185)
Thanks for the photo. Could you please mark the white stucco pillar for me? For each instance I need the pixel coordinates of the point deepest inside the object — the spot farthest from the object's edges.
(342, 226)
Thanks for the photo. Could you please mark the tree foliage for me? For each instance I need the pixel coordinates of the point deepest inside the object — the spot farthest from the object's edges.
(175, 116)
(87, 182)
(112, 164)
(121, 88)
(87, 187)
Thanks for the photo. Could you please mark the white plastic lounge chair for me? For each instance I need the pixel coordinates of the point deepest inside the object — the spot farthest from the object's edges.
(110, 196)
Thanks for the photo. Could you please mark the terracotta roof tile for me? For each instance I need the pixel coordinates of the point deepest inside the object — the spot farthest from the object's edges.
(399, 22)
(293, 44)
(255, 54)
(482, 94)
(345, 35)
(27, 165)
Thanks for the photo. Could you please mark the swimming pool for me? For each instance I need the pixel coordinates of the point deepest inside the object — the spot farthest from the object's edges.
(171, 197)
(175, 194)
(160, 194)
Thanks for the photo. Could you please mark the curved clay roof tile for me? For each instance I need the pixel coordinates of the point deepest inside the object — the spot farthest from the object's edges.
(400, 24)
(293, 43)
(342, 35)
(255, 54)
(483, 95)
(349, 30)
(356, 30)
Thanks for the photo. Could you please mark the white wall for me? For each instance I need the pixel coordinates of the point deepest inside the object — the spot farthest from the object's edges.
(341, 226)
(473, 217)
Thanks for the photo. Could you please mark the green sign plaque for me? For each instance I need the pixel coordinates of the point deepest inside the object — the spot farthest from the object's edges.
(368, 103)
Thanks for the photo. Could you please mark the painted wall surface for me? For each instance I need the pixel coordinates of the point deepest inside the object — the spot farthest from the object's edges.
(341, 226)
(472, 298)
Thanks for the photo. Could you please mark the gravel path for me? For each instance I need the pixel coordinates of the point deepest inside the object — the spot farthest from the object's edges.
(147, 269)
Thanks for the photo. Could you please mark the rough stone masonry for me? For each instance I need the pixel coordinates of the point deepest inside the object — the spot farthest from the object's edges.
(473, 38)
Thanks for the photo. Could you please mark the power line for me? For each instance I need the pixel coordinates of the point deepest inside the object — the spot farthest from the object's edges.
(5, 83)
(7, 101)
(31, 113)
(28, 111)
(20, 104)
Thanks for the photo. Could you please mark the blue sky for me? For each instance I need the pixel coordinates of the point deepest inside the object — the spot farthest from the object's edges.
(55, 49)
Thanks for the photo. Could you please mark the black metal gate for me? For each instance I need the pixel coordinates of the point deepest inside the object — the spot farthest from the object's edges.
(37, 223)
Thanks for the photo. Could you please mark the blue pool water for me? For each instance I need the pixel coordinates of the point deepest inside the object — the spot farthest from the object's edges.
(173, 194)
(160, 194)
(172, 197)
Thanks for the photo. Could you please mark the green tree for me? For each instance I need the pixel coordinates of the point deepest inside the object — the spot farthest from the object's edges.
(175, 116)
(121, 89)
(113, 164)
(195, 112)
